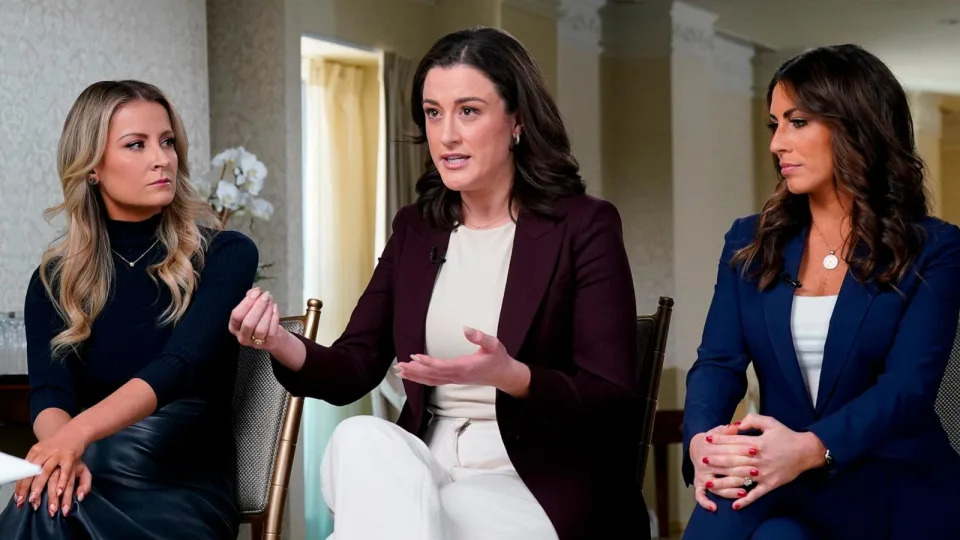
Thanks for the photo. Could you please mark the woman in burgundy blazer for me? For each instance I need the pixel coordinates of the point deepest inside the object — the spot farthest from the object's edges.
(566, 326)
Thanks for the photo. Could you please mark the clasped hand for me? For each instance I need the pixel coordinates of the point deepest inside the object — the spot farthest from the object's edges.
(725, 462)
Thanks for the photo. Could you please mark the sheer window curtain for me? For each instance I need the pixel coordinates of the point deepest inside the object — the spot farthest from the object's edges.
(340, 218)
(404, 163)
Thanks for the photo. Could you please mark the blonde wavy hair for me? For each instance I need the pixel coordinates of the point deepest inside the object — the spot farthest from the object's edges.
(77, 270)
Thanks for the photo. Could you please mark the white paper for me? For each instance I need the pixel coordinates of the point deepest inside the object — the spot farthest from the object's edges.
(13, 469)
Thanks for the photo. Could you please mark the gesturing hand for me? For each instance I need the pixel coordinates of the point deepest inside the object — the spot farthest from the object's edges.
(490, 365)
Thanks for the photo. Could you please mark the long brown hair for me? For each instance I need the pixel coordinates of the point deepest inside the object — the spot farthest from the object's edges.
(77, 270)
(875, 162)
(545, 168)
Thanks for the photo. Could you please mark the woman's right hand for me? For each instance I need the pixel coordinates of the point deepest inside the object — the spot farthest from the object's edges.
(720, 468)
(79, 483)
(256, 323)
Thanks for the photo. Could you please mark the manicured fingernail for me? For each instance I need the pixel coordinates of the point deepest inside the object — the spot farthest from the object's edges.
(265, 297)
(52, 509)
(737, 423)
(413, 357)
(710, 438)
(754, 472)
(80, 496)
(706, 460)
(36, 506)
(59, 492)
(65, 509)
(714, 509)
(753, 451)
(33, 498)
(709, 485)
(736, 506)
(742, 493)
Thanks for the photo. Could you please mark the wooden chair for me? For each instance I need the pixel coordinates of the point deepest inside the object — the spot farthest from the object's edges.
(266, 422)
(651, 345)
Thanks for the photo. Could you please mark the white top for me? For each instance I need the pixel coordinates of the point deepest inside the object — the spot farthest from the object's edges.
(468, 292)
(809, 322)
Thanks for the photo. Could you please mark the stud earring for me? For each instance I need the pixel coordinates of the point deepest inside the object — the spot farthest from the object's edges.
(92, 181)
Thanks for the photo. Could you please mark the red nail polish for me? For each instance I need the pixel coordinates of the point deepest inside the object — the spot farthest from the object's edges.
(737, 423)
(709, 485)
(742, 493)
(754, 472)
(710, 438)
(736, 506)
(706, 461)
(753, 451)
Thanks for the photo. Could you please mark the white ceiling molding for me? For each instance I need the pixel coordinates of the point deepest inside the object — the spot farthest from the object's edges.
(733, 64)
(580, 23)
(693, 30)
(656, 29)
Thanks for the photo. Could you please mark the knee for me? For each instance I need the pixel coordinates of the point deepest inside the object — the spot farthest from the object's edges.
(781, 528)
(357, 433)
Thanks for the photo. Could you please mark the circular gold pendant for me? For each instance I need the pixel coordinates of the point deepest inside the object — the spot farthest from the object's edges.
(831, 261)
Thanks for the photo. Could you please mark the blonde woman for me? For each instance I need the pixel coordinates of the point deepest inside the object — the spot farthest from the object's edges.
(131, 364)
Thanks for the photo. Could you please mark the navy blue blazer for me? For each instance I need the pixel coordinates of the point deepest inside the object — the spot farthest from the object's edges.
(884, 357)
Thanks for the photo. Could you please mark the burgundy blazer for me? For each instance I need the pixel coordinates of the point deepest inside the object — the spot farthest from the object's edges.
(569, 313)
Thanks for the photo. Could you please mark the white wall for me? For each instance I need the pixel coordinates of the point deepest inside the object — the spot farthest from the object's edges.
(50, 50)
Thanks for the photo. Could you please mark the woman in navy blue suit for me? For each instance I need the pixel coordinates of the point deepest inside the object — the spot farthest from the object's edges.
(844, 293)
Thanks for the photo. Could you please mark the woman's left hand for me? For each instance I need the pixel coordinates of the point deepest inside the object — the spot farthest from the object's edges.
(490, 365)
(63, 450)
(782, 454)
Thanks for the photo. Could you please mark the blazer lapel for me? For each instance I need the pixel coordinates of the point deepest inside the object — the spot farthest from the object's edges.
(535, 249)
(852, 304)
(777, 310)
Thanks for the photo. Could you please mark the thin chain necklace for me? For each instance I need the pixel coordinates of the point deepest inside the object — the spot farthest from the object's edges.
(830, 261)
(488, 225)
(135, 261)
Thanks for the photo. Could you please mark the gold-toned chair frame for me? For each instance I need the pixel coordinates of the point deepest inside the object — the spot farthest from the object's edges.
(268, 525)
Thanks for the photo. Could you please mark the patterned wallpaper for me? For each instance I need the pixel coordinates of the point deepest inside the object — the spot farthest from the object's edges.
(50, 50)
(251, 106)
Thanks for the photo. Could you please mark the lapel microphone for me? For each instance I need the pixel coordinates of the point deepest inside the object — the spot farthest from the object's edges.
(794, 283)
(436, 258)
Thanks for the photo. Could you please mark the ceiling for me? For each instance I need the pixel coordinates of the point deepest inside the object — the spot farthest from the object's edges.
(918, 39)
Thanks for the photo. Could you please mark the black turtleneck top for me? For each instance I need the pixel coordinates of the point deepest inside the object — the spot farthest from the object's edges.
(196, 357)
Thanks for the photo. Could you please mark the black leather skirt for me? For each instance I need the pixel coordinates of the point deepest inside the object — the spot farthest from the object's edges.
(169, 476)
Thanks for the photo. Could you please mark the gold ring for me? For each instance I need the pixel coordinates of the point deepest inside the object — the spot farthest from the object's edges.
(257, 341)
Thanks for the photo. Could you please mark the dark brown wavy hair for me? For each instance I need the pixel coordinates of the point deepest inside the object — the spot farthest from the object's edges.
(875, 161)
(545, 168)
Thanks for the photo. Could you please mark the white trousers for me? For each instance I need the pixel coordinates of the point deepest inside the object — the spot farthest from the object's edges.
(382, 482)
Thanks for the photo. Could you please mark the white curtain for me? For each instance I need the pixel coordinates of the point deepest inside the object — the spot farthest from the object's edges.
(404, 164)
(339, 221)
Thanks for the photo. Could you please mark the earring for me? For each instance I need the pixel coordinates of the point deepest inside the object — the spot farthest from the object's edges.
(516, 139)
(92, 181)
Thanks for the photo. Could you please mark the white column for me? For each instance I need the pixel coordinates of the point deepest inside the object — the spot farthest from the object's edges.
(578, 85)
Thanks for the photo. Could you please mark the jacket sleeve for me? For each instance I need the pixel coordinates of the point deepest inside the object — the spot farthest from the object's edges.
(356, 363)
